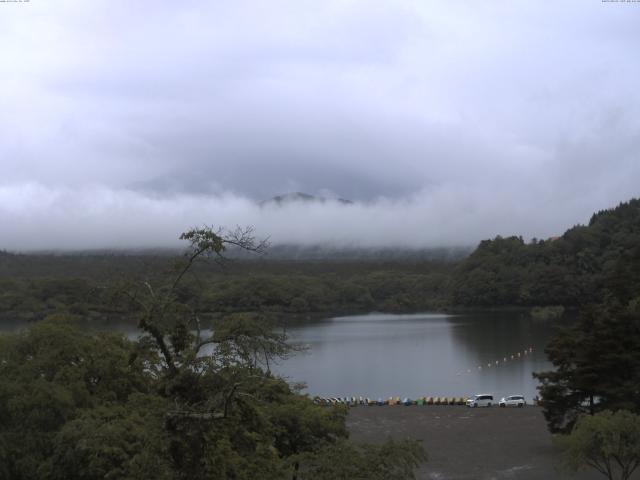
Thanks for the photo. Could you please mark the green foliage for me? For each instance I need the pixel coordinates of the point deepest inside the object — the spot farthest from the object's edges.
(607, 442)
(250, 339)
(253, 288)
(112, 441)
(33, 286)
(597, 366)
(300, 426)
(48, 376)
(79, 406)
(183, 401)
(585, 265)
(392, 460)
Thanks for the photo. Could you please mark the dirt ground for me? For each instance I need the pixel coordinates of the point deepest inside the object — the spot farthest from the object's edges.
(468, 443)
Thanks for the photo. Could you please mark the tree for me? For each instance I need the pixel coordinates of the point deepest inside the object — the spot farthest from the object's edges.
(608, 442)
(391, 460)
(52, 375)
(192, 398)
(597, 366)
(112, 441)
(166, 314)
(232, 418)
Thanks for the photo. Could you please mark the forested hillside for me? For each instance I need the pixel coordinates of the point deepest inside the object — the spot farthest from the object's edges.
(32, 287)
(584, 265)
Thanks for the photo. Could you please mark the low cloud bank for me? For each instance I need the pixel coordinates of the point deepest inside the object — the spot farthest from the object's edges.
(37, 217)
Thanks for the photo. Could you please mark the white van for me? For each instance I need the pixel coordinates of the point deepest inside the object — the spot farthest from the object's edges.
(480, 400)
(513, 400)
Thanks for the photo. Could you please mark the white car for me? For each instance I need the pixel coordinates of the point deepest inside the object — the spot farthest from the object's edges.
(513, 401)
(480, 400)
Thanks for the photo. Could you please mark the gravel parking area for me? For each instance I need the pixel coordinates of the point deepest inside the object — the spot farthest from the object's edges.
(468, 443)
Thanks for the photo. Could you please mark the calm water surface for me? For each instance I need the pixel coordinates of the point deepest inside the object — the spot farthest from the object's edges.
(380, 355)
(432, 354)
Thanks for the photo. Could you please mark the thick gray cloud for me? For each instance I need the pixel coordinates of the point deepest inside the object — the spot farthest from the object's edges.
(448, 122)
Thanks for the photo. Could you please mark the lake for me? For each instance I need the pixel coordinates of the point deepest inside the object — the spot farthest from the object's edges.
(430, 354)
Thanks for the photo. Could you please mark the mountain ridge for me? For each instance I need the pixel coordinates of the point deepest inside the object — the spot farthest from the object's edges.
(301, 197)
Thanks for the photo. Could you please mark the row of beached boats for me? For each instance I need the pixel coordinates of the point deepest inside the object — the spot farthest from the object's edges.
(355, 401)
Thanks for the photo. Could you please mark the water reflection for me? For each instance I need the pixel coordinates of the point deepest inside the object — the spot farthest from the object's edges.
(407, 355)
(427, 354)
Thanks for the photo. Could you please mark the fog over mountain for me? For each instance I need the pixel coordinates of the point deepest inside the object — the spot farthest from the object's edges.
(299, 197)
(124, 124)
(97, 217)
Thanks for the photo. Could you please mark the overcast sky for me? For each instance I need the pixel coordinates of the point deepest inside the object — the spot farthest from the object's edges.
(125, 123)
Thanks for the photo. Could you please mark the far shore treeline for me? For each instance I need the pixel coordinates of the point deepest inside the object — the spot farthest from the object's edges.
(544, 276)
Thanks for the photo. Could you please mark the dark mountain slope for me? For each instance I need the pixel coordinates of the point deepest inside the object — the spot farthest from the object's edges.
(585, 265)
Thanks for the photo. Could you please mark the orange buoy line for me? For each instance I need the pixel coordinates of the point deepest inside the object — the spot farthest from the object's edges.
(353, 401)
(505, 359)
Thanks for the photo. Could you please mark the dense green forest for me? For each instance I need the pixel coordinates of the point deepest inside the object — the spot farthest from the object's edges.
(186, 400)
(596, 359)
(581, 266)
(32, 288)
